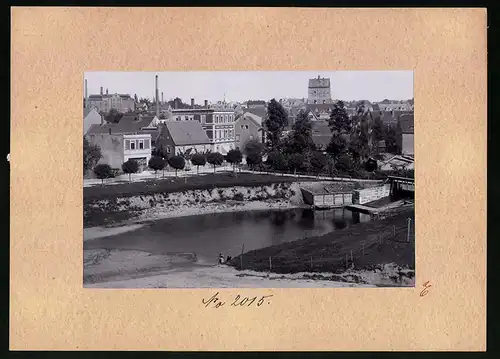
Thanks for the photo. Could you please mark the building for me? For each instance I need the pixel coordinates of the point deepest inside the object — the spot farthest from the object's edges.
(177, 137)
(397, 162)
(105, 102)
(319, 91)
(216, 121)
(405, 134)
(247, 127)
(131, 138)
(319, 112)
(91, 116)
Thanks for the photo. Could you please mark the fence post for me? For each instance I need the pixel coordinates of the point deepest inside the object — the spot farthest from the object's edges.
(363, 248)
(346, 262)
(352, 260)
(408, 234)
(270, 265)
(394, 232)
(241, 257)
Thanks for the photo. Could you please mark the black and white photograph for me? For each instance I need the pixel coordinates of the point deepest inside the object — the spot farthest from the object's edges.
(248, 179)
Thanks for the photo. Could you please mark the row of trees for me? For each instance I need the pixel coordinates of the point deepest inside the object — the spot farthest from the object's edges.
(350, 148)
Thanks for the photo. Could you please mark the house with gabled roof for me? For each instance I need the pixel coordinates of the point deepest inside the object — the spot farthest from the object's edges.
(131, 138)
(405, 131)
(178, 137)
(91, 116)
(248, 126)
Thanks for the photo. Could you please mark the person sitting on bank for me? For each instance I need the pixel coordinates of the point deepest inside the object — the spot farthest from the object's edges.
(228, 259)
(221, 258)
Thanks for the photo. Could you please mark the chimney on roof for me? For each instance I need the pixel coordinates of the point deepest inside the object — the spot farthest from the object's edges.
(319, 77)
(101, 90)
(106, 91)
(157, 99)
(206, 103)
(192, 103)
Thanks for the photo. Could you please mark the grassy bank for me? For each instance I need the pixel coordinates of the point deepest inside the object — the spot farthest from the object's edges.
(170, 185)
(372, 244)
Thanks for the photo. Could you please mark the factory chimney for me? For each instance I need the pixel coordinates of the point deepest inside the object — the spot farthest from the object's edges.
(162, 97)
(192, 103)
(101, 90)
(106, 91)
(157, 100)
(206, 103)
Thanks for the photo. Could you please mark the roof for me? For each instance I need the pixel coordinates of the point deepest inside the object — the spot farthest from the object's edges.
(129, 123)
(254, 118)
(258, 111)
(319, 106)
(87, 110)
(406, 123)
(187, 133)
(100, 97)
(319, 82)
(152, 131)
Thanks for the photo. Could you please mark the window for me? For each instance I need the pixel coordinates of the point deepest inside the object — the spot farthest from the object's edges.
(203, 118)
(178, 118)
(132, 145)
(226, 118)
(217, 119)
(237, 137)
(168, 149)
(127, 144)
(141, 144)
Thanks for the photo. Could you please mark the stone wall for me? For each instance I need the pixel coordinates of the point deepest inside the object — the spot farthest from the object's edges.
(371, 194)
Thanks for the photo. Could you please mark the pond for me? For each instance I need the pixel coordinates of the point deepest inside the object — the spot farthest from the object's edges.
(226, 233)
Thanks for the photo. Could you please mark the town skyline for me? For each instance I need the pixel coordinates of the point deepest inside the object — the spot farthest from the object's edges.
(215, 86)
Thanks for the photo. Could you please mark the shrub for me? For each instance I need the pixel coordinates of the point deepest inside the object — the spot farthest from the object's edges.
(156, 163)
(215, 159)
(131, 166)
(103, 171)
(198, 159)
(177, 163)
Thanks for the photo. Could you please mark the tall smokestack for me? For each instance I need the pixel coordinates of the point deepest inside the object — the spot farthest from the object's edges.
(101, 90)
(157, 100)
(192, 103)
(162, 97)
(106, 91)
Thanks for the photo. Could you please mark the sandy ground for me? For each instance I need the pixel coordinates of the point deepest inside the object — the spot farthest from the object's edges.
(135, 269)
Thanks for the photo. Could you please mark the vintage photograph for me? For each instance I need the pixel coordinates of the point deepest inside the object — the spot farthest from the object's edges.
(268, 179)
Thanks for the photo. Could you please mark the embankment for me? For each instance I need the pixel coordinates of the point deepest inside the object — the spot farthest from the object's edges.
(364, 247)
(106, 211)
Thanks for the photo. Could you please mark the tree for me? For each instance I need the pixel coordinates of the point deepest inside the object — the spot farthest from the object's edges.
(300, 140)
(318, 162)
(276, 160)
(360, 141)
(254, 159)
(391, 142)
(337, 145)
(378, 129)
(198, 159)
(91, 155)
(215, 159)
(371, 165)
(156, 163)
(103, 171)
(131, 166)
(234, 157)
(339, 121)
(113, 116)
(253, 147)
(344, 163)
(177, 162)
(275, 123)
(296, 161)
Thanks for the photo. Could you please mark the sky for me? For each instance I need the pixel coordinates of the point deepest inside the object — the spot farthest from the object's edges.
(253, 85)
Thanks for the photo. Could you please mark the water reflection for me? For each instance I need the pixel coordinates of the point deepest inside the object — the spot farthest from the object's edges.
(207, 235)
